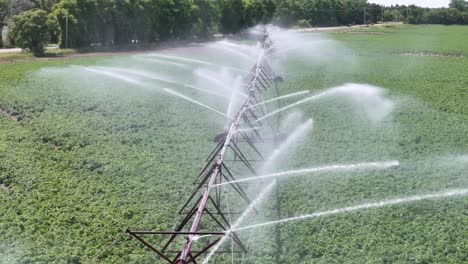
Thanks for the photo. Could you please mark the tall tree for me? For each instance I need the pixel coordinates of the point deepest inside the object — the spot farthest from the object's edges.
(288, 12)
(29, 30)
(66, 11)
(460, 5)
(258, 11)
(45, 5)
(9, 8)
(232, 19)
(3, 15)
(108, 22)
(206, 15)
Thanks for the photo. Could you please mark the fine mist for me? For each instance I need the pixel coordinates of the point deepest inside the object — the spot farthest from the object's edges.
(371, 98)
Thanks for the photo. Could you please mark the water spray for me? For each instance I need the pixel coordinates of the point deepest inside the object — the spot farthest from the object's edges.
(184, 59)
(298, 133)
(282, 97)
(206, 203)
(195, 102)
(261, 196)
(180, 65)
(384, 203)
(115, 76)
(152, 76)
(330, 168)
(361, 93)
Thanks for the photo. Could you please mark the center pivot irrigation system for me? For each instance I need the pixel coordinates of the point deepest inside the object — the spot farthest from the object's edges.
(206, 206)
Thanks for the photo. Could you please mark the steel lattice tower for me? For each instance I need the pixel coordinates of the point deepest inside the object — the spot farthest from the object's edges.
(205, 202)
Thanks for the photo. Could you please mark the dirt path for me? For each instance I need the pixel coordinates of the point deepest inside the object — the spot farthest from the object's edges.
(10, 50)
(324, 29)
(100, 53)
(76, 55)
(333, 29)
(16, 50)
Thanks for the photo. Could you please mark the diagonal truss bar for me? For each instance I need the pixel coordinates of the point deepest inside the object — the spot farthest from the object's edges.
(260, 79)
(217, 167)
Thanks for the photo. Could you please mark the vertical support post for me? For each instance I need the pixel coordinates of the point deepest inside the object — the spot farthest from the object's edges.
(276, 136)
(383, 15)
(278, 239)
(66, 31)
(407, 14)
(365, 15)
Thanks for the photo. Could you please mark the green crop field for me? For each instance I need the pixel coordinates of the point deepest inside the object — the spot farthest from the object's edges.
(85, 156)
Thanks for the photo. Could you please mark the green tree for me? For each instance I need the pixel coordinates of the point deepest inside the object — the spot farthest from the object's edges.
(258, 11)
(464, 18)
(3, 14)
(183, 13)
(288, 12)
(45, 5)
(89, 22)
(122, 22)
(393, 15)
(303, 23)
(232, 19)
(453, 17)
(460, 5)
(7, 9)
(58, 19)
(10, 8)
(29, 30)
(207, 15)
(129, 21)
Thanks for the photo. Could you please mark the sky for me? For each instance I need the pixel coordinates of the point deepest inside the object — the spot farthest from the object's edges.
(423, 3)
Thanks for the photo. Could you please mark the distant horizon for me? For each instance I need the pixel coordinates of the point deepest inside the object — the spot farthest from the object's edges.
(422, 3)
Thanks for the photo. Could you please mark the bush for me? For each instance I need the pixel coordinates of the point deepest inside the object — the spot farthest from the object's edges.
(29, 31)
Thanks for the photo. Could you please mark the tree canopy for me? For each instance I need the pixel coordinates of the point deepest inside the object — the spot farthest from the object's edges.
(29, 30)
(121, 22)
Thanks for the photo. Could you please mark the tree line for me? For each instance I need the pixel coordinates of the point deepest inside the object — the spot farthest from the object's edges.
(82, 23)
